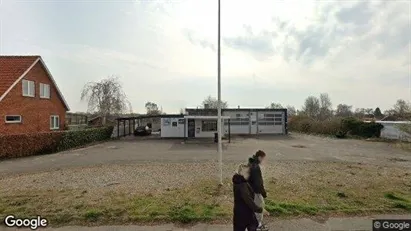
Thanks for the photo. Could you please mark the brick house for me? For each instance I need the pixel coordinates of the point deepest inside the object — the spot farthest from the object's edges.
(30, 100)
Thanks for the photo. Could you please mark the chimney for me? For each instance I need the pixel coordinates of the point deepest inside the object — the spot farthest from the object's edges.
(238, 106)
(206, 106)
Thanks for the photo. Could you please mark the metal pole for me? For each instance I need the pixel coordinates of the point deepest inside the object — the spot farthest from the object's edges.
(229, 131)
(219, 127)
(118, 128)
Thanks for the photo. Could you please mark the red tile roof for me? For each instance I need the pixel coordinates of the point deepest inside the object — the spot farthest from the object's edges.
(11, 68)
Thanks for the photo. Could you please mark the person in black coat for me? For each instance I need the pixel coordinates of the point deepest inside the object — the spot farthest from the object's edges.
(244, 206)
(257, 184)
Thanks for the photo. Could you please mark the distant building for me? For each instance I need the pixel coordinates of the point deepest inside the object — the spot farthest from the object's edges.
(240, 121)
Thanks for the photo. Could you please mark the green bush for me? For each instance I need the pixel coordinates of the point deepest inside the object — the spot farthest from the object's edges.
(19, 145)
(359, 128)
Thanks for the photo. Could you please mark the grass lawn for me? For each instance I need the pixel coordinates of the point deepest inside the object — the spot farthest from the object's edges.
(338, 189)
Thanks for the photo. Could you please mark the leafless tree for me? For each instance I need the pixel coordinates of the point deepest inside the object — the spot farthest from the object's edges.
(401, 108)
(152, 109)
(275, 106)
(344, 110)
(212, 102)
(311, 107)
(291, 111)
(325, 106)
(105, 97)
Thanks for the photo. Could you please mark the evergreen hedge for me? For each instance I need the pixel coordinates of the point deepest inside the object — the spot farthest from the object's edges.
(19, 145)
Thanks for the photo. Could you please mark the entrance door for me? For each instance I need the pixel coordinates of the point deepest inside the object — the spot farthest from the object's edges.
(191, 128)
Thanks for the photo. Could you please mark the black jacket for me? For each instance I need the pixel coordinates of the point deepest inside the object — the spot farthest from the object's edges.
(256, 178)
(244, 206)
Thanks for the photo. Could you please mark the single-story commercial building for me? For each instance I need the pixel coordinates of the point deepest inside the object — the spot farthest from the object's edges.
(202, 123)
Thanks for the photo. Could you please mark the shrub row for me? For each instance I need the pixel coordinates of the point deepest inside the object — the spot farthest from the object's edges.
(19, 145)
(307, 125)
(357, 127)
(335, 126)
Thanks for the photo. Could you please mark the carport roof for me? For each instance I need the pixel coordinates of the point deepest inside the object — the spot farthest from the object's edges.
(206, 117)
(151, 116)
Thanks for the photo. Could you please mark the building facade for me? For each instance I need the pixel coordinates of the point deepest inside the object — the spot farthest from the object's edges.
(30, 100)
(202, 123)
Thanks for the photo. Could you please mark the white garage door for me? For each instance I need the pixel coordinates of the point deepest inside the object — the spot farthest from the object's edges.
(271, 123)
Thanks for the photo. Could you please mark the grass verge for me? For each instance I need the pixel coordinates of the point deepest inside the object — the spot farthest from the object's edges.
(205, 203)
(320, 189)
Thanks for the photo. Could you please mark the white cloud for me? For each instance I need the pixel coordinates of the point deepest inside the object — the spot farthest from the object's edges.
(350, 49)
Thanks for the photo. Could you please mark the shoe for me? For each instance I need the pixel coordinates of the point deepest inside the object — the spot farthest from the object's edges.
(262, 228)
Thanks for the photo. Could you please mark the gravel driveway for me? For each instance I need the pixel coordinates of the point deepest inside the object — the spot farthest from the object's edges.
(136, 165)
(280, 148)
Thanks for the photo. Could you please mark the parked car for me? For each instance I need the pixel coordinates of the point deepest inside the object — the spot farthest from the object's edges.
(142, 131)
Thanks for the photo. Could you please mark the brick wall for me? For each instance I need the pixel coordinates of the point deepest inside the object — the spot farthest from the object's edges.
(35, 111)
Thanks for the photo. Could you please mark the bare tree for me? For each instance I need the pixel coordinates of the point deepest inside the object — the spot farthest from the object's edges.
(291, 111)
(344, 110)
(401, 108)
(105, 97)
(325, 106)
(359, 113)
(212, 102)
(152, 109)
(311, 107)
(275, 106)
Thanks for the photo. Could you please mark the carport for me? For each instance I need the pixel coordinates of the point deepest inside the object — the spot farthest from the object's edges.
(126, 125)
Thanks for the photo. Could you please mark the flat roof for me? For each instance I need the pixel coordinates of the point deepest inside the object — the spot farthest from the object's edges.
(206, 117)
(240, 109)
(151, 116)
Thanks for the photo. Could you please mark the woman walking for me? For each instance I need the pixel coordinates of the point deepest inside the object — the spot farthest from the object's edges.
(257, 184)
(244, 206)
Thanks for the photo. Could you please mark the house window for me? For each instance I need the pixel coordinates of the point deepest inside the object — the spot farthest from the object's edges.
(29, 88)
(208, 126)
(13, 119)
(54, 122)
(174, 124)
(44, 91)
(181, 121)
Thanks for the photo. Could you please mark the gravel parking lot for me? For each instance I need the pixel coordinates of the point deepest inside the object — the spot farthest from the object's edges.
(279, 148)
(148, 164)
(134, 179)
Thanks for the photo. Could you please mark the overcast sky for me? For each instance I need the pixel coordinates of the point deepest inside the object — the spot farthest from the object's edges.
(272, 51)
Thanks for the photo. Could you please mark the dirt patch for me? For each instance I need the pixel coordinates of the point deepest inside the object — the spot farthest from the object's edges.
(397, 159)
(298, 146)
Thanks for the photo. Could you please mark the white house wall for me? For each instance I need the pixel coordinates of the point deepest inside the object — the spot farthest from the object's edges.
(168, 130)
(254, 126)
(200, 133)
(266, 126)
(239, 121)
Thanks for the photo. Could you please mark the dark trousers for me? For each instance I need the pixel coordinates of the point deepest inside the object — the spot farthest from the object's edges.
(243, 227)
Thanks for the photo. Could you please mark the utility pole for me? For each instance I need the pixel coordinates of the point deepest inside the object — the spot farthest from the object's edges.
(219, 127)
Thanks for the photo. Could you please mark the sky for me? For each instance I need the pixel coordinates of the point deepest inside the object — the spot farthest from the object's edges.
(165, 51)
